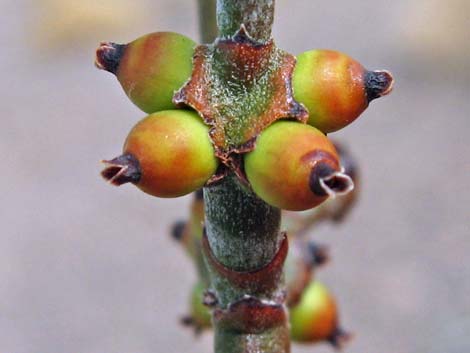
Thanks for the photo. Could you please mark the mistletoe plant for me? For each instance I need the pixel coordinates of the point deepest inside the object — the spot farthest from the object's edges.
(247, 122)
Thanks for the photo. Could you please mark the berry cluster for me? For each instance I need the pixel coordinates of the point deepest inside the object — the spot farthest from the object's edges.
(268, 127)
(313, 311)
(294, 166)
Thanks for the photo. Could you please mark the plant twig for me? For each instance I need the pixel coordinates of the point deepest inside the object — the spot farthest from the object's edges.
(256, 15)
(207, 20)
(243, 246)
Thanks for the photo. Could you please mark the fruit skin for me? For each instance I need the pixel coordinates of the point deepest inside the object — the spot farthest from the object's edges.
(335, 88)
(150, 68)
(175, 154)
(315, 318)
(200, 314)
(286, 156)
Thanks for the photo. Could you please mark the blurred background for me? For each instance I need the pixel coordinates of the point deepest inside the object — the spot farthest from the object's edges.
(88, 268)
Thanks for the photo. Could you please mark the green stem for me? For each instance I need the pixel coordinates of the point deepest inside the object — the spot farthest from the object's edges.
(242, 231)
(256, 15)
(207, 20)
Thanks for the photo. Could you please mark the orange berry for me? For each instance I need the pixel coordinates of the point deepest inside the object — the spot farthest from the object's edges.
(315, 318)
(169, 152)
(295, 167)
(150, 68)
(335, 88)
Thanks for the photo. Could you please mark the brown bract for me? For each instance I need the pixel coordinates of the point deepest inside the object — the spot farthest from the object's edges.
(263, 280)
(250, 315)
(239, 87)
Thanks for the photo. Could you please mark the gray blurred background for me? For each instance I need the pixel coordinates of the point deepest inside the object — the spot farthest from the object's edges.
(88, 268)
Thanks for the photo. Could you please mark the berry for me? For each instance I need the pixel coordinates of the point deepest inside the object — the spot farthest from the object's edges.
(335, 88)
(295, 167)
(315, 317)
(150, 68)
(200, 313)
(169, 154)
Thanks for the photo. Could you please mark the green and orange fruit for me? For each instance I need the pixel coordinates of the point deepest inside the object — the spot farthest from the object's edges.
(315, 317)
(150, 68)
(200, 313)
(167, 154)
(295, 167)
(335, 88)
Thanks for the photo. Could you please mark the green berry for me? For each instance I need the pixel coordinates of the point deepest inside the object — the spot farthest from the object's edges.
(170, 152)
(150, 68)
(335, 88)
(200, 314)
(315, 317)
(295, 167)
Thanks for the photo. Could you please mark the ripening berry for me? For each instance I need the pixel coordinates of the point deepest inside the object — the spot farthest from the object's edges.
(151, 68)
(295, 167)
(335, 88)
(189, 233)
(169, 153)
(315, 317)
(200, 313)
(302, 261)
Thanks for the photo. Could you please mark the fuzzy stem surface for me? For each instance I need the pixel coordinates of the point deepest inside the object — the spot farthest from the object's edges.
(243, 232)
(256, 15)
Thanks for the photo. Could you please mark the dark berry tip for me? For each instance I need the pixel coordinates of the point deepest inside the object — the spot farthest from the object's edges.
(121, 170)
(325, 181)
(319, 254)
(187, 320)
(108, 56)
(378, 84)
(177, 229)
(340, 338)
(191, 322)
